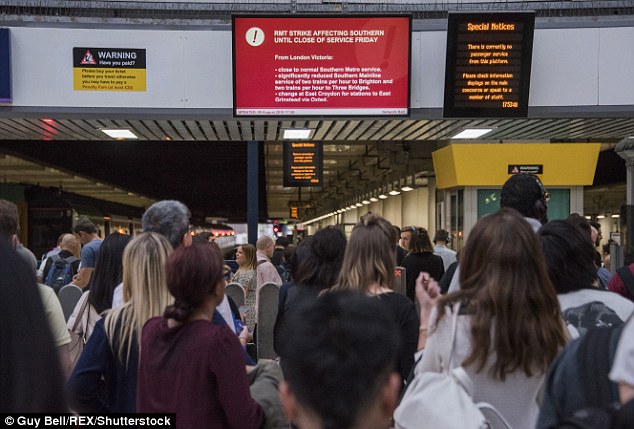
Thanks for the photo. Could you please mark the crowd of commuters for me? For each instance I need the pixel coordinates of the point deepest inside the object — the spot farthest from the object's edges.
(523, 310)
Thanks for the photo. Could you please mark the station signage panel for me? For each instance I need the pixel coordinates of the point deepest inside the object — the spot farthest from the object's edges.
(321, 65)
(109, 69)
(5, 66)
(303, 164)
(488, 64)
(526, 169)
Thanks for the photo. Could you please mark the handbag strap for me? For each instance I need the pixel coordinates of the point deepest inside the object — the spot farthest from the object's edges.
(80, 314)
(454, 330)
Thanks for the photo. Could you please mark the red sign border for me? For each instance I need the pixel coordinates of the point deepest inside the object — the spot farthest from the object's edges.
(326, 16)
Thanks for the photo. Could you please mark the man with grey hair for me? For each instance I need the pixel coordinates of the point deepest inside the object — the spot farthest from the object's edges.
(169, 218)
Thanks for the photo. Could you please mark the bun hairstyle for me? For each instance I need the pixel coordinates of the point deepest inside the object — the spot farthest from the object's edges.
(193, 273)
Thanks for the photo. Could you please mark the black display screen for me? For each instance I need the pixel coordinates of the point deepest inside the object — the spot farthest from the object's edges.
(488, 64)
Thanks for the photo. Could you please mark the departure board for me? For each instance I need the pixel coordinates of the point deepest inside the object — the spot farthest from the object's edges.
(303, 164)
(488, 64)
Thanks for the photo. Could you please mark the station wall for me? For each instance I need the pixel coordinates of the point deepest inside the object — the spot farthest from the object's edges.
(192, 69)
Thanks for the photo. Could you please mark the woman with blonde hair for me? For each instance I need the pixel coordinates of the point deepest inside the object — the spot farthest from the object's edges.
(246, 277)
(368, 267)
(104, 379)
(508, 327)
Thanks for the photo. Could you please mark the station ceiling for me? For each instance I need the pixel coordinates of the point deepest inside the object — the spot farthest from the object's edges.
(201, 159)
(203, 162)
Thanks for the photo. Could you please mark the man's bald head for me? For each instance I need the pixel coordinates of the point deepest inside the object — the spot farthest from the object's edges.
(69, 242)
(265, 244)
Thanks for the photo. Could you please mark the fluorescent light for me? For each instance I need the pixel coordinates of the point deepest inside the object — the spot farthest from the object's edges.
(297, 133)
(615, 216)
(394, 192)
(374, 199)
(589, 217)
(383, 197)
(119, 133)
(600, 217)
(359, 205)
(407, 188)
(366, 202)
(472, 133)
(352, 207)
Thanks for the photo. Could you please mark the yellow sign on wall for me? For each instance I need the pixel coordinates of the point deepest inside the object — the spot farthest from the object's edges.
(109, 69)
(491, 164)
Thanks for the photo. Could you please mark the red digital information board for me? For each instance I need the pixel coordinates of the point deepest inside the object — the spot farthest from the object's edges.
(321, 65)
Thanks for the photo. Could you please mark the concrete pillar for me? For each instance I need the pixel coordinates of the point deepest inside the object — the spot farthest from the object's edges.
(253, 205)
(625, 149)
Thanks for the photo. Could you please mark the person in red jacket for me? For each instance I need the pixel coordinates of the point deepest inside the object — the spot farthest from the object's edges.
(622, 282)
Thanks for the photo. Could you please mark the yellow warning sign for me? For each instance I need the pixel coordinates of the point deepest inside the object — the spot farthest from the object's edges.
(109, 69)
(94, 79)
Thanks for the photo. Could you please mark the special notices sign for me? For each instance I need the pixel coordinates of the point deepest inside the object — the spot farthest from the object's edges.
(303, 164)
(488, 64)
(109, 69)
(317, 65)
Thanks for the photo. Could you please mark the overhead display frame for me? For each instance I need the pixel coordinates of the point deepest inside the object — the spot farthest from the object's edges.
(5, 66)
(321, 65)
(303, 164)
(488, 64)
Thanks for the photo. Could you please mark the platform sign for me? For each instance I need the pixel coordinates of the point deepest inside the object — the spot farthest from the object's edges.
(488, 64)
(109, 69)
(321, 65)
(526, 169)
(5, 66)
(303, 164)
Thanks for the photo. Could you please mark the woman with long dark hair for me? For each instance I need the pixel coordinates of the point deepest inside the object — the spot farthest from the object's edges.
(509, 326)
(107, 276)
(315, 266)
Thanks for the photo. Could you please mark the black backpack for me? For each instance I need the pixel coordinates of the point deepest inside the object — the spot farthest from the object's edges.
(597, 348)
(601, 418)
(61, 272)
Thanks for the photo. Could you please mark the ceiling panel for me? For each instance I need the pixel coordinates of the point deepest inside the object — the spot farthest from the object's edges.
(351, 150)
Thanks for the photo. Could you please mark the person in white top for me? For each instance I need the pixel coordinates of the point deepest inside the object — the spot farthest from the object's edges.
(509, 325)
(441, 239)
(569, 257)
